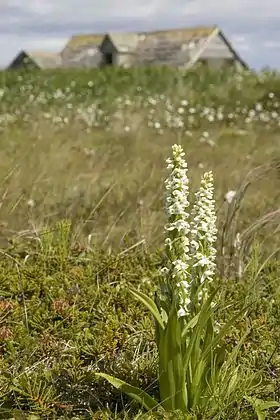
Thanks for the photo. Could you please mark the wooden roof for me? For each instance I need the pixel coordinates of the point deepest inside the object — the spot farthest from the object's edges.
(84, 40)
(183, 33)
(131, 38)
(43, 59)
(124, 42)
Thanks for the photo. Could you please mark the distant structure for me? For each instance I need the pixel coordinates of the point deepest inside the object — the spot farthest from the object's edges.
(36, 60)
(82, 51)
(181, 48)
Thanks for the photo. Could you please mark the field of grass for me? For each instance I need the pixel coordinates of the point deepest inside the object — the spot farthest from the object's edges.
(82, 220)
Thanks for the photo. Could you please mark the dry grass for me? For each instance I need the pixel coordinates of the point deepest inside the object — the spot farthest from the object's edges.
(111, 185)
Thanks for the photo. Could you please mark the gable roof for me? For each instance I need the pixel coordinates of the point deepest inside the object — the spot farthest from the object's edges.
(202, 48)
(44, 60)
(232, 49)
(182, 34)
(82, 41)
(123, 42)
(176, 45)
(130, 39)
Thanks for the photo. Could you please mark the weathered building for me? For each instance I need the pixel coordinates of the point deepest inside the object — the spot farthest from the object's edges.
(82, 51)
(35, 60)
(187, 47)
(179, 48)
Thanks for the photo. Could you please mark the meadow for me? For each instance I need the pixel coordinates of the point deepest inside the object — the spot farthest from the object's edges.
(83, 163)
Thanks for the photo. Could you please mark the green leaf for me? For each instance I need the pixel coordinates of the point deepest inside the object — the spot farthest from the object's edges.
(136, 393)
(191, 324)
(150, 304)
(269, 404)
(260, 406)
(203, 316)
(172, 376)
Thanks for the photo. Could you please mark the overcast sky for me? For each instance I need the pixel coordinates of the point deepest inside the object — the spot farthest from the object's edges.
(253, 26)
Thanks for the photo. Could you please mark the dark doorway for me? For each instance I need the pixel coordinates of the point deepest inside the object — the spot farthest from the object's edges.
(108, 59)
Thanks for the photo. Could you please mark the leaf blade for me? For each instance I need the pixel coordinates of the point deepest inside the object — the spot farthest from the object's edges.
(137, 394)
(150, 305)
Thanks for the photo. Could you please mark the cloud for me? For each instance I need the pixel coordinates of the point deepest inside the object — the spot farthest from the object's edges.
(271, 44)
(241, 42)
(251, 25)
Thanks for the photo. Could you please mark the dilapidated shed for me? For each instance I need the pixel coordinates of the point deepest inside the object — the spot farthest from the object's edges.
(178, 48)
(119, 49)
(82, 51)
(35, 60)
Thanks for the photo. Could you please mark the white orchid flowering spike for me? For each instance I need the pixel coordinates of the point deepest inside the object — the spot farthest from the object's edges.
(178, 228)
(204, 232)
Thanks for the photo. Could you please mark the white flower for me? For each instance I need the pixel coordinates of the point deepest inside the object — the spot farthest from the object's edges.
(182, 312)
(211, 142)
(157, 125)
(181, 110)
(31, 203)
(204, 261)
(178, 227)
(229, 196)
(203, 230)
(190, 243)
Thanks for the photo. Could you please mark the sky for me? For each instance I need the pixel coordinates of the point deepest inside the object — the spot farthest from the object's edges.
(252, 26)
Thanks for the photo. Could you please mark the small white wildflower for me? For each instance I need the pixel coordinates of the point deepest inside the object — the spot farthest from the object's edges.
(229, 196)
(182, 312)
(157, 125)
(184, 298)
(203, 261)
(184, 102)
(211, 142)
(31, 203)
(181, 111)
(189, 133)
(180, 270)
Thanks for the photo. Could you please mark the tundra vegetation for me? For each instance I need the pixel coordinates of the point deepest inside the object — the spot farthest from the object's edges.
(90, 260)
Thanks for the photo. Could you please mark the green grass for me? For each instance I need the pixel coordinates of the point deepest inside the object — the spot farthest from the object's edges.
(90, 147)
